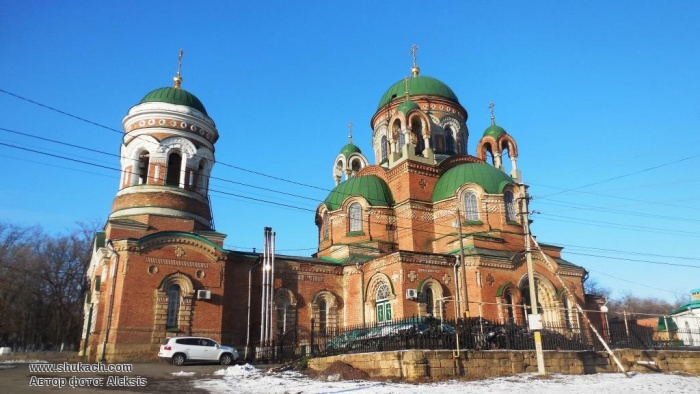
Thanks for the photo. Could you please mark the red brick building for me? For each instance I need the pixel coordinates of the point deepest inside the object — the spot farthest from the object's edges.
(426, 230)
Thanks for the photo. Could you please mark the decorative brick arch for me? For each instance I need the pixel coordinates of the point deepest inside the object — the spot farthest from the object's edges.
(437, 291)
(375, 281)
(160, 304)
(325, 322)
(285, 315)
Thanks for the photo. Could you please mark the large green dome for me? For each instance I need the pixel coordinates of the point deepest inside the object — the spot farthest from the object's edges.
(490, 178)
(175, 96)
(371, 187)
(418, 85)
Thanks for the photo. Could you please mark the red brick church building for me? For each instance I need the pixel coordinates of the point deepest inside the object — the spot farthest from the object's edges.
(426, 230)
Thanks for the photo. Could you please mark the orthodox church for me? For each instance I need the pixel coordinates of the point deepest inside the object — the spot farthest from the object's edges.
(428, 229)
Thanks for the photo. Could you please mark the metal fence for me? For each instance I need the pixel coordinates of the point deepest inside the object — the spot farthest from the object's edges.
(471, 334)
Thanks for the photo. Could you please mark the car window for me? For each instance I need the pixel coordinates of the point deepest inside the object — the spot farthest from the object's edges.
(208, 342)
(187, 341)
(166, 341)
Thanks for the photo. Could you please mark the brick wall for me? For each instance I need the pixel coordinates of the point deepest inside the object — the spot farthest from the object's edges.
(414, 365)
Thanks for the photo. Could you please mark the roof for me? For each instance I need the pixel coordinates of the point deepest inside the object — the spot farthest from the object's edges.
(494, 131)
(349, 149)
(371, 187)
(418, 85)
(490, 178)
(175, 96)
(686, 307)
(407, 106)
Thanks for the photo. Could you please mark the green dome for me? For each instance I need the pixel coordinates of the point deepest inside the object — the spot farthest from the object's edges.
(490, 178)
(371, 187)
(175, 96)
(418, 85)
(494, 131)
(407, 106)
(349, 149)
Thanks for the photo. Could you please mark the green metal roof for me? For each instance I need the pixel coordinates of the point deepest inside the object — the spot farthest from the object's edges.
(407, 106)
(371, 187)
(490, 178)
(686, 307)
(349, 149)
(494, 131)
(175, 96)
(418, 85)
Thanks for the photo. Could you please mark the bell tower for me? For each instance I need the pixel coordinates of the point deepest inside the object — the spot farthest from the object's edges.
(167, 156)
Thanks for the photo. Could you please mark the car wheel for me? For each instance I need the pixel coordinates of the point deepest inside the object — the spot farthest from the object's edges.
(226, 359)
(178, 359)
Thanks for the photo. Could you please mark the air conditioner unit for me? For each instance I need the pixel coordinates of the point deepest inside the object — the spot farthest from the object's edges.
(411, 294)
(203, 294)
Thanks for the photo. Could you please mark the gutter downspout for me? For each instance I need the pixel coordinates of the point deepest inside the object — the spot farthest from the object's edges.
(113, 285)
(250, 277)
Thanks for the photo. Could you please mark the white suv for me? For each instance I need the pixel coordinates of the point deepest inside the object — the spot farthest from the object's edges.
(180, 349)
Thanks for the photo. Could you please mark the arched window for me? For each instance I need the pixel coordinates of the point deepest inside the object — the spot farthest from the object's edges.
(325, 225)
(383, 147)
(173, 306)
(383, 305)
(471, 208)
(322, 317)
(142, 171)
(429, 301)
(417, 130)
(281, 306)
(510, 207)
(402, 141)
(355, 217)
(449, 140)
(173, 174)
(510, 307)
(201, 179)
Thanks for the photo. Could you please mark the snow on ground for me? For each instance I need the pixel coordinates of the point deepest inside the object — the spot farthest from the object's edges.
(248, 379)
(183, 373)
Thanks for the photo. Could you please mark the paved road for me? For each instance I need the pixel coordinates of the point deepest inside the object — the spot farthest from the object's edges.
(155, 377)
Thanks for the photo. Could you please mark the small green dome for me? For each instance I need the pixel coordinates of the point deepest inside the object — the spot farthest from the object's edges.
(175, 96)
(418, 85)
(349, 149)
(407, 106)
(371, 187)
(494, 131)
(490, 178)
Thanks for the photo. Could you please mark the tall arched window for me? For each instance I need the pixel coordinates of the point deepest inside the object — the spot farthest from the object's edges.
(429, 301)
(402, 141)
(510, 307)
(449, 140)
(173, 306)
(510, 207)
(417, 130)
(142, 171)
(325, 225)
(471, 208)
(281, 306)
(383, 147)
(383, 305)
(322, 316)
(173, 174)
(355, 217)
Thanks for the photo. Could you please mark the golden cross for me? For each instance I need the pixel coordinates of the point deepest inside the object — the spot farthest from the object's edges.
(414, 50)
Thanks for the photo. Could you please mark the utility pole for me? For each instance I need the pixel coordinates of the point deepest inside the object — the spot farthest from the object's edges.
(535, 319)
(464, 266)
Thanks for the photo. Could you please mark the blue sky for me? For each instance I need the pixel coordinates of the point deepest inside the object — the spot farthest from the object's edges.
(602, 97)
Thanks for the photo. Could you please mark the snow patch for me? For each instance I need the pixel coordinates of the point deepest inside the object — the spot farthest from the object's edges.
(183, 373)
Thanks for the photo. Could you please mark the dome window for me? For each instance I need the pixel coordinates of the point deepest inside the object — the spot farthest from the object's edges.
(449, 140)
(471, 208)
(383, 148)
(173, 172)
(355, 217)
(142, 169)
(510, 207)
